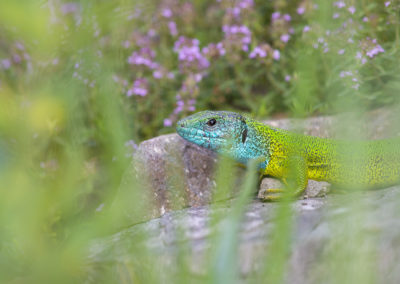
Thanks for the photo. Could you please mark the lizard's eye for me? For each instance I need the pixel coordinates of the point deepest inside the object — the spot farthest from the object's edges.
(211, 122)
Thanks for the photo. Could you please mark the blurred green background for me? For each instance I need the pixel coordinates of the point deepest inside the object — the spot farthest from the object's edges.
(82, 83)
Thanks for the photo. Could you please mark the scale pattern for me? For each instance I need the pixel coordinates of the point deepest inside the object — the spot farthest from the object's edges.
(355, 164)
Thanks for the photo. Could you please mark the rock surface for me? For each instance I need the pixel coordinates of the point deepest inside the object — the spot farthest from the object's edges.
(321, 228)
(350, 227)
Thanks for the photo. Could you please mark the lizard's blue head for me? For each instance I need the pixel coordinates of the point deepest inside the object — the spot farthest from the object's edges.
(221, 131)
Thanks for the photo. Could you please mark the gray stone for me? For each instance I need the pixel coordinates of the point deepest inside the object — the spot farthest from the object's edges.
(323, 228)
(356, 232)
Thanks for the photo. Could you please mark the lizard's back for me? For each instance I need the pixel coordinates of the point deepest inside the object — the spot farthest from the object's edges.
(370, 164)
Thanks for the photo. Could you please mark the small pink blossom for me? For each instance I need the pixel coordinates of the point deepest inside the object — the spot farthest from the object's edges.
(275, 15)
(341, 51)
(258, 52)
(172, 28)
(167, 13)
(157, 74)
(306, 29)
(276, 54)
(340, 4)
(301, 10)
(387, 3)
(288, 78)
(352, 9)
(285, 37)
(139, 88)
(6, 63)
(167, 122)
(287, 17)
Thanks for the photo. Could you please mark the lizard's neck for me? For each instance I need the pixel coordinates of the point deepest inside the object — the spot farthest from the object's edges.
(256, 144)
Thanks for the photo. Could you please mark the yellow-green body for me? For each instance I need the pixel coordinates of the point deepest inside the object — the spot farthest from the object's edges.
(366, 164)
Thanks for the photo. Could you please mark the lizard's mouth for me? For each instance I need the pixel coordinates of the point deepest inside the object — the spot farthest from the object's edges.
(198, 136)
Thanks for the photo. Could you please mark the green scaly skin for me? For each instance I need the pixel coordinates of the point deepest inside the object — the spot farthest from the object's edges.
(294, 157)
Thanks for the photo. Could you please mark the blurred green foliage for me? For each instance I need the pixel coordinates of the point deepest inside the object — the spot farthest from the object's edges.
(82, 82)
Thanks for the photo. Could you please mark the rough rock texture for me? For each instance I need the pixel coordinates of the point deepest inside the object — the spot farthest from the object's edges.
(349, 226)
(321, 228)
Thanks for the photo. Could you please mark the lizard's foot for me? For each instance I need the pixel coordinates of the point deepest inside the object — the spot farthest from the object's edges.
(271, 194)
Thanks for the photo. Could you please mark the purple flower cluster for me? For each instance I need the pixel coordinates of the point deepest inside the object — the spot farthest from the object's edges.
(236, 35)
(353, 76)
(70, 8)
(184, 100)
(236, 10)
(258, 52)
(374, 49)
(181, 105)
(139, 87)
(190, 56)
(285, 17)
(173, 30)
(214, 50)
(143, 57)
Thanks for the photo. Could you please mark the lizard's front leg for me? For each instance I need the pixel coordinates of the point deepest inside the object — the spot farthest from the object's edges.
(294, 176)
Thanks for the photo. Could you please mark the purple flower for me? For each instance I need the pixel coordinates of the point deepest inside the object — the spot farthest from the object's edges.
(152, 33)
(143, 57)
(301, 10)
(220, 48)
(288, 78)
(285, 37)
(139, 88)
(6, 63)
(235, 11)
(276, 54)
(371, 47)
(374, 51)
(365, 19)
(336, 15)
(387, 3)
(19, 46)
(189, 54)
(246, 4)
(237, 36)
(172, 28)
(258, 51)
(167, 122)
(287, 17)
(306, 29)
(157, 74)
(214, 49)
(341, 51)
(352, 9)
(70, 7)
(131, 144)
(275, 16)
(340, 4)
(167, 13)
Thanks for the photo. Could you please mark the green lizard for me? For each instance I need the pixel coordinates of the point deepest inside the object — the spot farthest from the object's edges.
(288, 155)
